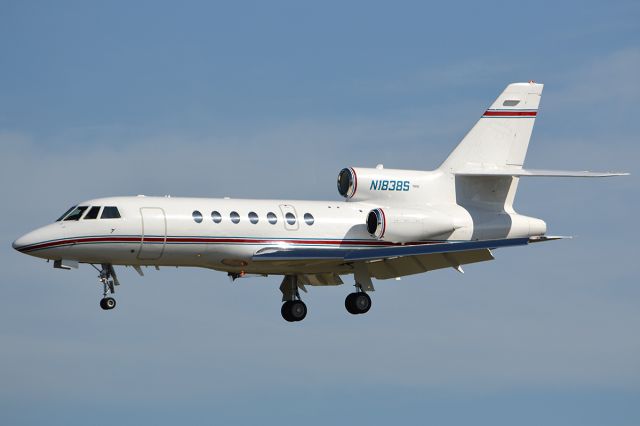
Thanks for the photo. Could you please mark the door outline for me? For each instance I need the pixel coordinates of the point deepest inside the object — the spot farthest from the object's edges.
(151, 253)
(288, 208)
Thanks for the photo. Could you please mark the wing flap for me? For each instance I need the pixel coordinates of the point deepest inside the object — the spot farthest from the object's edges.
(320, 279)
(409, 265)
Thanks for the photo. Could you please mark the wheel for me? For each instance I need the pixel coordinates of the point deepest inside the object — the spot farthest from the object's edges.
(298, 310)
(349, 304)
(293, 310)
(357, 303)
(362, 302)
(108, 303)
(286, 311)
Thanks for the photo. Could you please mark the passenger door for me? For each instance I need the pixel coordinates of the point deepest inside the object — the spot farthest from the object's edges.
(154, 233)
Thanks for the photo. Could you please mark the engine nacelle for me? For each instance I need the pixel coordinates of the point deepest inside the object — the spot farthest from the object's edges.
(360, 184)
(407, 225)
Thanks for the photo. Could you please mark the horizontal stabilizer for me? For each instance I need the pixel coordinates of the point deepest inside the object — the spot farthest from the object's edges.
(536, 172)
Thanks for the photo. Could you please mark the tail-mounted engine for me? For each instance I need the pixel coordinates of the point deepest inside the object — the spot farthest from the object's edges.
(407, 225)
(359, 184)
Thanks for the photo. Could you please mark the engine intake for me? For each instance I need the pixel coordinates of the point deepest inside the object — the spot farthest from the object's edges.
(375, 223)
(347, 182)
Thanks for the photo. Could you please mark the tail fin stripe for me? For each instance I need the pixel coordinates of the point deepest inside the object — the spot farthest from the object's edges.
(506, 114)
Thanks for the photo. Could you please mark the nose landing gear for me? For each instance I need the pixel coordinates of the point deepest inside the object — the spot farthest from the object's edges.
(108, 279)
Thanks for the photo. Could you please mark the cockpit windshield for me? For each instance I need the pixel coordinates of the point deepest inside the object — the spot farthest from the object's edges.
(110, 212)
(76, 214)
(92, 213)
(66, 213)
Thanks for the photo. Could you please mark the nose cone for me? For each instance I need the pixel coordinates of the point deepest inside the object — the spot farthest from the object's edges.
(24, 241)
(30, 239)
(40, 242)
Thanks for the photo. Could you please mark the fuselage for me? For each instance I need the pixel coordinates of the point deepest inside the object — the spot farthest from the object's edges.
(222, 234)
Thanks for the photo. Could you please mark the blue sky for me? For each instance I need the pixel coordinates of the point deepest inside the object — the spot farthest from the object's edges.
(271, 99)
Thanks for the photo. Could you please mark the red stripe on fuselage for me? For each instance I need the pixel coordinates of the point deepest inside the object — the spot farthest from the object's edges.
(211, 240)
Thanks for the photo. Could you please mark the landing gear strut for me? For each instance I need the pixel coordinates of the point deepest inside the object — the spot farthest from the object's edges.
(108, 279)
(293, 309)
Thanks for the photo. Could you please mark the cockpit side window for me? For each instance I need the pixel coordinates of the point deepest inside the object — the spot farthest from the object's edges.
(76, 214)
(66, 213)
(110, 212)
(93, 213)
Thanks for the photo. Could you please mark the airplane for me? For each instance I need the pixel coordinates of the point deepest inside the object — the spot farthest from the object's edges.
(392, 223)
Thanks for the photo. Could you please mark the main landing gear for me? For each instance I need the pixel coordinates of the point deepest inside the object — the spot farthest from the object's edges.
(108, 279)
(293, 309)
(359, 302)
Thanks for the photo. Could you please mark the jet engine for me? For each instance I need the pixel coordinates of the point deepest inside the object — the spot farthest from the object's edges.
(407, 225)
(361, 184)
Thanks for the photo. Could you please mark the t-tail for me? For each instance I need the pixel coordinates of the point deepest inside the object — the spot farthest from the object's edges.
(489, 160)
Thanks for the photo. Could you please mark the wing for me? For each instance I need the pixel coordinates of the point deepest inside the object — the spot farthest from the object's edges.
(396, 261)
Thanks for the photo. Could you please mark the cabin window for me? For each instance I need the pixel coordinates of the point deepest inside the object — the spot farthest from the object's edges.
(291, 219)
(93, 213)
(272, 218)
(76, 214)
(308, 219)
(253, 217)
(66, 213)
(235, 217)
(110, 212)
(197, 216)
(216, 216)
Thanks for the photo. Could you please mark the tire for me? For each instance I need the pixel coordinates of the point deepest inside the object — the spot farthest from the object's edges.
(109, 303)
(350, 305)
(103, 305)
(362, 302)
(285, 311)
(298, 310)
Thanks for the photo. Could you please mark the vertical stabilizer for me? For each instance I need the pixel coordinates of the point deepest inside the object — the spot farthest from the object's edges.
(500, 138)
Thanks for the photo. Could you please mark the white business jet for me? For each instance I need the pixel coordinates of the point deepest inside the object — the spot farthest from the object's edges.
(393, 223)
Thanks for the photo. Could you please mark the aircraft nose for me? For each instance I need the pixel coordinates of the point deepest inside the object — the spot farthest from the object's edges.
(25, 240)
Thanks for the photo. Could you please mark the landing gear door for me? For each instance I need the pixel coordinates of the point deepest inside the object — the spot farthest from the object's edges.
(154, 233)
(290, 217)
